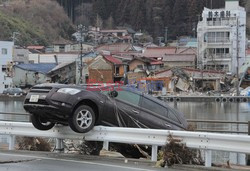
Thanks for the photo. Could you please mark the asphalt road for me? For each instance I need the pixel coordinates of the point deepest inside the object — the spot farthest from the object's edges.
(36, 162)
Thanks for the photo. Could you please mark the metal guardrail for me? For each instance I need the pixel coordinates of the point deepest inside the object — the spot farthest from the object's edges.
(237, 123)
(13, 113)
(217, 121)
(205, 141)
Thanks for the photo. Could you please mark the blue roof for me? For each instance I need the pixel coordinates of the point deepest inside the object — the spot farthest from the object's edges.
(192, 44)
(42, 68)
(91, 54)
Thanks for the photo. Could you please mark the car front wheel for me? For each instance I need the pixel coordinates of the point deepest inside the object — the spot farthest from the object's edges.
(83, 119)
(41, 123)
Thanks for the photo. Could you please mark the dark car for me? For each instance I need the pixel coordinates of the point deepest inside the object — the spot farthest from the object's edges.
(83, 107)
(13, 91)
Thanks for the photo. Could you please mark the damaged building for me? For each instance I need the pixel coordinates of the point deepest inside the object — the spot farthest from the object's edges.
(64, 73)
(189, 79)
(28, 75)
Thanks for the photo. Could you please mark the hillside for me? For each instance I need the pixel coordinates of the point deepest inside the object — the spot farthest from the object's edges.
(152, 16)
(46, 21)
(37, 21)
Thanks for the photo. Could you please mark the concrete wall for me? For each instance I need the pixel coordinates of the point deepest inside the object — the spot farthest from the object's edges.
(24, 78)
(21, 56)
(50, 58)
(100, 76)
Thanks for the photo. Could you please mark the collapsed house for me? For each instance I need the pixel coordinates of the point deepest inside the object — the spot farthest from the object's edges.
(189, 79)
(28, 75)
(64, 73)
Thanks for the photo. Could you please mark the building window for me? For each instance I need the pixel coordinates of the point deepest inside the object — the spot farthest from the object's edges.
(6, 86)
(222, 50)
(140, 66)
(4, 68)
(4, 51)
(217, 37)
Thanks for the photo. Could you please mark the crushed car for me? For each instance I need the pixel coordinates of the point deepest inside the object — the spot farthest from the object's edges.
(82, 107)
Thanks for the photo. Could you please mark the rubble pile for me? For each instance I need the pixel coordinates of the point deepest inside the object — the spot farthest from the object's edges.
(82, 147)
(175, 152)
(33, 144)
(95, 148)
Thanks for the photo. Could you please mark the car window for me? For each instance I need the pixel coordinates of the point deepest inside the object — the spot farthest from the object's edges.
(129, 97)
(154, 107)
(173, 116)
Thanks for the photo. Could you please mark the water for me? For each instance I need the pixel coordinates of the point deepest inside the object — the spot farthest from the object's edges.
(12, 105)
(216, 111)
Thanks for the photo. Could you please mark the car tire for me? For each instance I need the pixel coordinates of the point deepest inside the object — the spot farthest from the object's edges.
(40, 123)
(83, 119)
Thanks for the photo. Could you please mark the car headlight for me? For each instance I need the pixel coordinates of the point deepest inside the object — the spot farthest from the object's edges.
(71, 91)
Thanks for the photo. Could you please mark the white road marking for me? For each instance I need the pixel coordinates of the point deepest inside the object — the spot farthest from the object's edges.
(83, 162)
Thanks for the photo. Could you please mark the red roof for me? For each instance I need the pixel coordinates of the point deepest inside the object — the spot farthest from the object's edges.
(113, 60)
(156, 63)
(35, 47)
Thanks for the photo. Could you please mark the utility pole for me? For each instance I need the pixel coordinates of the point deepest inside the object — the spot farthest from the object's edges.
(166, 35)
(81, 28)
(237, 57)
(14, 35)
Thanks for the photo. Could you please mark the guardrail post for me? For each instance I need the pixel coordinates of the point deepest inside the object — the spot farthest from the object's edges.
(248, 156)
(208, 158)
(12, 139)
(154, 153)
(105, 145)
(59, 145)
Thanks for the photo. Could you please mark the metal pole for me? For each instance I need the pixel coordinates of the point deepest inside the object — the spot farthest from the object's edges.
(81, 55)
(59, 145)
(208, 158)
(154, 153)
(248, 156)
(237, 57)
(106, 145)
(12, 139)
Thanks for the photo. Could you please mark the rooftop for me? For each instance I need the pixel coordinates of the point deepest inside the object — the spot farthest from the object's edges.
(179, 58)
(41, 68)
(36, 47)
(113, 60)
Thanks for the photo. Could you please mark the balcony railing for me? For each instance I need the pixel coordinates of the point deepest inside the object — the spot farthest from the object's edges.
(219, 56)
(218, 40)
(226, 22)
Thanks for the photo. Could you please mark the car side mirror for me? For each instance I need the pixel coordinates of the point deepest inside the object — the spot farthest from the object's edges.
(113, 94)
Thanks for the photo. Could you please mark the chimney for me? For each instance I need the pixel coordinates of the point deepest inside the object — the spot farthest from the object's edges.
(232, 4)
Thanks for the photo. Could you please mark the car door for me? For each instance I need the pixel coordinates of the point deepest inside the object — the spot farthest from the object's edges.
(122, 110)
(128, 107)
(157, 115)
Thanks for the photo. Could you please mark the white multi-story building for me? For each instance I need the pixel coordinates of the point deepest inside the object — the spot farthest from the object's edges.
(6, 53)
(218, 33)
